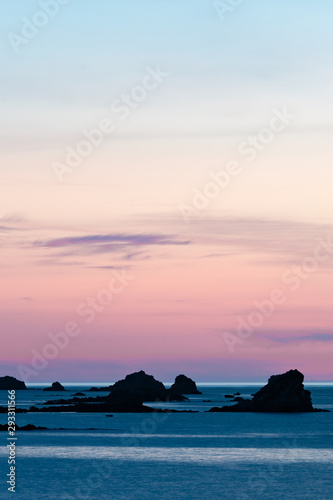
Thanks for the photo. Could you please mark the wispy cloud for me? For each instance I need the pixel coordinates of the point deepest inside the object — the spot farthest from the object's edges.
(262, 241)
(295, 336)
(117, 268)
(287, 240)
(322, 337)
(58, 262)
(104, 243)
(14, 217)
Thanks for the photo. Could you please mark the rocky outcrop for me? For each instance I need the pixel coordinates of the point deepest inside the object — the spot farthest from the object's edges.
(129, 407)
(11, 383)
(241, 406)
(4, 409)
(100, 389)
(142, 387)
(28, 427)
(284, 393)
(126, 396)
(56, 386)
(117, 404)
(184, 385)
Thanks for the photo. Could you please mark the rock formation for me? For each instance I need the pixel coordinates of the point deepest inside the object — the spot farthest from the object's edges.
(142, 387)
(11, 383)
(283, 394)
(126, 396)
(184, 385)
(100, 389)
(4, 409)
(56, 386)
(28, 427)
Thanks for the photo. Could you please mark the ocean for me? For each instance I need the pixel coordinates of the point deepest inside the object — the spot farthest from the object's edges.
(173, 456)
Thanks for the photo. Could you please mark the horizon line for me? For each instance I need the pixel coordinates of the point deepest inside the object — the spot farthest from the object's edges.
(106, 384)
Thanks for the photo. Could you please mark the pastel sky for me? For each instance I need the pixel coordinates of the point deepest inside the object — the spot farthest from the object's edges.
(190, 93)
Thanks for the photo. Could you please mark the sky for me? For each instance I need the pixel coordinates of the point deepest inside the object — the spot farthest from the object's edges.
(165, 189)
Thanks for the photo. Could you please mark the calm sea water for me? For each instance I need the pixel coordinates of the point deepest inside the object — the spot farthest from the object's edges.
(173, 456)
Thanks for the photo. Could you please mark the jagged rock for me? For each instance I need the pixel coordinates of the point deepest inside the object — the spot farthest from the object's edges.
(8, 383)
(142, 387)
(184, 385)
(284, 393)
(56, 386)
(126, 396)
(31, 427)
(229, 396)
(79, 394)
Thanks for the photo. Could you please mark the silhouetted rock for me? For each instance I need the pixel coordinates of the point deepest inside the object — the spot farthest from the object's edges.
(56, 386)
(100, 389)
(126, 396)
(79, 394)
(8, 383)
(74, 400)
(184, 385)
(28, 427)
(4, 409)
(142, 387)
(127, 405)
(31, 427)
(229, 396)
(241, 406)
(283, 394)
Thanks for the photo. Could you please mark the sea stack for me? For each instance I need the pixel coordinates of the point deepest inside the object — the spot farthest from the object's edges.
(184, 385)
(8, 383)
(284, 393)
(56, 386)
(142, 387)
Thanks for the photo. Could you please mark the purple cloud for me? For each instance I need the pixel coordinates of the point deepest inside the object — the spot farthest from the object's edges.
(110, 242)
